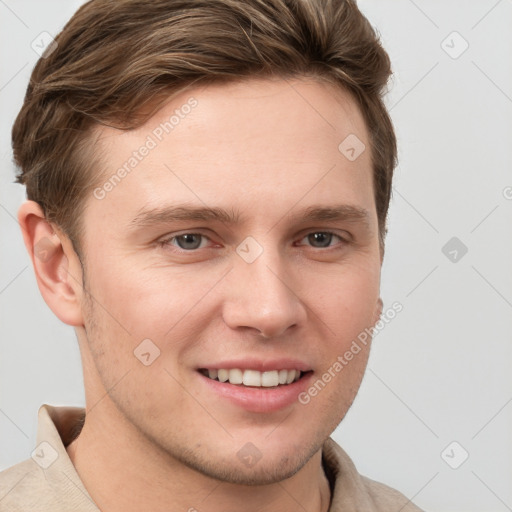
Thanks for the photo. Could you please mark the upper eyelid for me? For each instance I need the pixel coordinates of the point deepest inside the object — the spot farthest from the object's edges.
(176, 235)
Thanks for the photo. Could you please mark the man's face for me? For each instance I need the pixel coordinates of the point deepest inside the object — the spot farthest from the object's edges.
(285, 278)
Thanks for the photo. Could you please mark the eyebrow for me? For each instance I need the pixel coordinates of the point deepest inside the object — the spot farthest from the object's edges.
(165, 215)
(336, 213)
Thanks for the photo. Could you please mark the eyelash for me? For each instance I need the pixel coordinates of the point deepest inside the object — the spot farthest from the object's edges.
(168, 241)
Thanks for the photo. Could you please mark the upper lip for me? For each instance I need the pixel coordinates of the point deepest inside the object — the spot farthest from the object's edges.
(259, 365)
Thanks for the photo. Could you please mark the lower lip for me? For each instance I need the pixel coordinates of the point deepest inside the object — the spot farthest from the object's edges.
(262, 400)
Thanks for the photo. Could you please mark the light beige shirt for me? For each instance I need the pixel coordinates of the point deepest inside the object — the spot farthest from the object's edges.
(48, 481)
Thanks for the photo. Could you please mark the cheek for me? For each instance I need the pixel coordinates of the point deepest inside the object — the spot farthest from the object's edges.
(346, 310)
(346, 299)
(155, 303)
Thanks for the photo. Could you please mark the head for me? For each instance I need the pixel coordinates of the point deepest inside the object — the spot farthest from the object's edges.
(190, 167)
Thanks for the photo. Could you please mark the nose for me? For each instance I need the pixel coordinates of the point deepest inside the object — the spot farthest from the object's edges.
(262, 297)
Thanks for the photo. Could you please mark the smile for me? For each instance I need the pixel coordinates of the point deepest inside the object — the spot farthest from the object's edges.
(253, 378)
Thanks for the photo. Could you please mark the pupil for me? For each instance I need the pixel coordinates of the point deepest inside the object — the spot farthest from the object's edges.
(320, 239)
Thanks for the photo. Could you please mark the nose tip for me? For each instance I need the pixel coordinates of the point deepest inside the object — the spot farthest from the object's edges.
(261, 301)
(273, 324)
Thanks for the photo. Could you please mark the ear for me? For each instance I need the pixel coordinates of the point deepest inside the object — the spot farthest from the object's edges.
(56, 265)
(378, 311)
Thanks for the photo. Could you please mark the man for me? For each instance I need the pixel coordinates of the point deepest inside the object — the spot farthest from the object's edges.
(208, 184)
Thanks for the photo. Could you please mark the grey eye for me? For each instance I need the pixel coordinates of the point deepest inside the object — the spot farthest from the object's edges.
(320, 239)
(188, 241)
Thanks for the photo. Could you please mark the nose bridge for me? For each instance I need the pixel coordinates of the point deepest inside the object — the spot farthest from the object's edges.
(260, 292)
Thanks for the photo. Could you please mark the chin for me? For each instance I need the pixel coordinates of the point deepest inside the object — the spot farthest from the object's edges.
(262, 473)
(249, 466)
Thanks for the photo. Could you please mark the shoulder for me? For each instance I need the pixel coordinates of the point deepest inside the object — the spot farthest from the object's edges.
(27, 487)
(48, 481)
(352, 490)
(23, 487)
(384, 497)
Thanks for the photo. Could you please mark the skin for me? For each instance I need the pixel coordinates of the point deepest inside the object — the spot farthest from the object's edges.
(156, 437)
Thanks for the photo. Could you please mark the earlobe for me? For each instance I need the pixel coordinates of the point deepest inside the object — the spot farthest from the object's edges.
(56, 265)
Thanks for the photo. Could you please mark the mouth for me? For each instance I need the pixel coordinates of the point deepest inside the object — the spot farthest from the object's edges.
(254, 378)
(256, 386)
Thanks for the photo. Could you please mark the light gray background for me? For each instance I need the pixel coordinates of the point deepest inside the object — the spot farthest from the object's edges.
(440, 371)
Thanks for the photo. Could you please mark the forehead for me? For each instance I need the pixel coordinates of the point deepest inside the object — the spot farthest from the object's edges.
(255, 144)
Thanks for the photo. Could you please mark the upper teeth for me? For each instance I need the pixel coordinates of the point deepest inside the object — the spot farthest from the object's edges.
(254, 377)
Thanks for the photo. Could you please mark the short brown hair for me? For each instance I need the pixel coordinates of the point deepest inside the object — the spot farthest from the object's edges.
(113, 58)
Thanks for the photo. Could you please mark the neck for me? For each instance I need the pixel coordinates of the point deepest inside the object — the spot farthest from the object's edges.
(123, 471)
